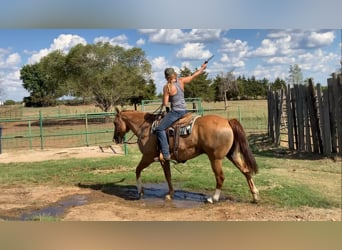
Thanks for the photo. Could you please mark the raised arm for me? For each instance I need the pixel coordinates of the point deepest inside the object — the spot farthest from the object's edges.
(188, 79)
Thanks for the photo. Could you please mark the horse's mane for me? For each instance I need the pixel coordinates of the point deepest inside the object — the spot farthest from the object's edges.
(149, 117)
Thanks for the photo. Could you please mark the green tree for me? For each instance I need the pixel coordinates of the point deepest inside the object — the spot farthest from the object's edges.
(80, 65)
(263, 87)
(215, 88)
(199, 87)
(45, 80)
(108, 74)
(226, 87)
(278, 84)
(251, 87)
(240, 80)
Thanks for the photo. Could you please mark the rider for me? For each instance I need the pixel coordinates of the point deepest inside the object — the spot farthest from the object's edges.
(173, 92)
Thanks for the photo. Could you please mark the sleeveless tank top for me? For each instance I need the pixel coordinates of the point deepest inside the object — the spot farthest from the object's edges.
(177, 100)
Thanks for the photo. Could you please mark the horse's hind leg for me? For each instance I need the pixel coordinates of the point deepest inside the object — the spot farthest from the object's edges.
(240, 164)
(216, 166)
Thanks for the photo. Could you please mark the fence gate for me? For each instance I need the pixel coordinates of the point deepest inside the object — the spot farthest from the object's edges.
(309, 117)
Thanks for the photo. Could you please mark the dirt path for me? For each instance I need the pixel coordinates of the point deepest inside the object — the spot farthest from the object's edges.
(58, 153)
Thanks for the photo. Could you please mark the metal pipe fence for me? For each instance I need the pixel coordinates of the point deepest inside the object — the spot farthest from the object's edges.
(59, 131)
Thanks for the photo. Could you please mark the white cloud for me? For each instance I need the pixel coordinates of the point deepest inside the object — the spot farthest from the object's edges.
(13, 59)
(140, 42)
(234, 53)
(120, 40)
(269, 72)
(193, 51)
(158, 66)
(267, 48)
(281, 60)
(159, 63)
(237, 47)
(186, 64)
(316, 39)
(13, 90)
(234, 62)
(318, 61)
(206, 35)
(178, 36)
(38, 55)
(9, 61)
(169, 36)
(3, 51)
(302, 39)
(63, 42)
(14, 76)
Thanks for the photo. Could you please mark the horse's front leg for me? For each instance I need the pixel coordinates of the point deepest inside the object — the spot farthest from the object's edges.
(144, 163)
(167, 173)
(216, 166)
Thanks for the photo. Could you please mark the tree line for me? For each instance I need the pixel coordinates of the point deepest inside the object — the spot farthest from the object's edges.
(110, 75)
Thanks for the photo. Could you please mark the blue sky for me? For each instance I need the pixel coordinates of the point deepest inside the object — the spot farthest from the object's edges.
(250, 52)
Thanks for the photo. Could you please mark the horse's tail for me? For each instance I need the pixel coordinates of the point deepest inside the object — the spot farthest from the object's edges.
(240, 140)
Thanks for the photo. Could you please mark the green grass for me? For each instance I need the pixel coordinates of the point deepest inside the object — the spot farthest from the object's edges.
(45, 218)
(281, 182)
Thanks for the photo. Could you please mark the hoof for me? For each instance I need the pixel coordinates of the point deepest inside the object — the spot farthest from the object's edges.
(255, 199)
(168, 197)
(141, 195)
(210, 200)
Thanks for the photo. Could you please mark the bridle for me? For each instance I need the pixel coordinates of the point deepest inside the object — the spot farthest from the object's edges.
(157, 111)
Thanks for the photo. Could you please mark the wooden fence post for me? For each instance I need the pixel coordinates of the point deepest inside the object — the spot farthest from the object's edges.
(337, 89)
(289, 118)
(315, 131)
(332, 112)
(270, 101)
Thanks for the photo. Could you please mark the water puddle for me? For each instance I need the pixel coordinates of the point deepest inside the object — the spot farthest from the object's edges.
(154, 197)
(54, 210)
(57, 209)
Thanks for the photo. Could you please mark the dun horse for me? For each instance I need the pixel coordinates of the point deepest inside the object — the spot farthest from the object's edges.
(213, 135)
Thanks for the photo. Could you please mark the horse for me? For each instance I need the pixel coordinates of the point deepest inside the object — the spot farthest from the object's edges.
(213, 135)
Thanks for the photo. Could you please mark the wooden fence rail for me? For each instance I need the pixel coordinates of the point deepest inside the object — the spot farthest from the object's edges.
(310, 116)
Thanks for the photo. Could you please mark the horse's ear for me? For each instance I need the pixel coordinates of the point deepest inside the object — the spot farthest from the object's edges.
(117, 110)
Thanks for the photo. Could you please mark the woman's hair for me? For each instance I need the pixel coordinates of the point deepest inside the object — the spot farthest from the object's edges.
(169, 72)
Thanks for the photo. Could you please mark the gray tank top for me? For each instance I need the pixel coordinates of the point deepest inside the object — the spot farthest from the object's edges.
(177, 100)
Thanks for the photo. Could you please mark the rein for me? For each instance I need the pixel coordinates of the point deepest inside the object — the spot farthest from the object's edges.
(158, 110)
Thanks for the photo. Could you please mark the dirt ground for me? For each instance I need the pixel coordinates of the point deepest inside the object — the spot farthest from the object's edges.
(58, 153)
(82, 203)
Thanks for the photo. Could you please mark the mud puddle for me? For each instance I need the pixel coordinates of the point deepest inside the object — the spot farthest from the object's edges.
(56, 210)
(154, 197)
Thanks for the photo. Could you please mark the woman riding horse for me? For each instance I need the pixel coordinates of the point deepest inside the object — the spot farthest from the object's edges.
(213, 135)
(173, 92)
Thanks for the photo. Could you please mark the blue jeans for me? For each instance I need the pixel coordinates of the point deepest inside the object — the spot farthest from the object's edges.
(166, 122)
